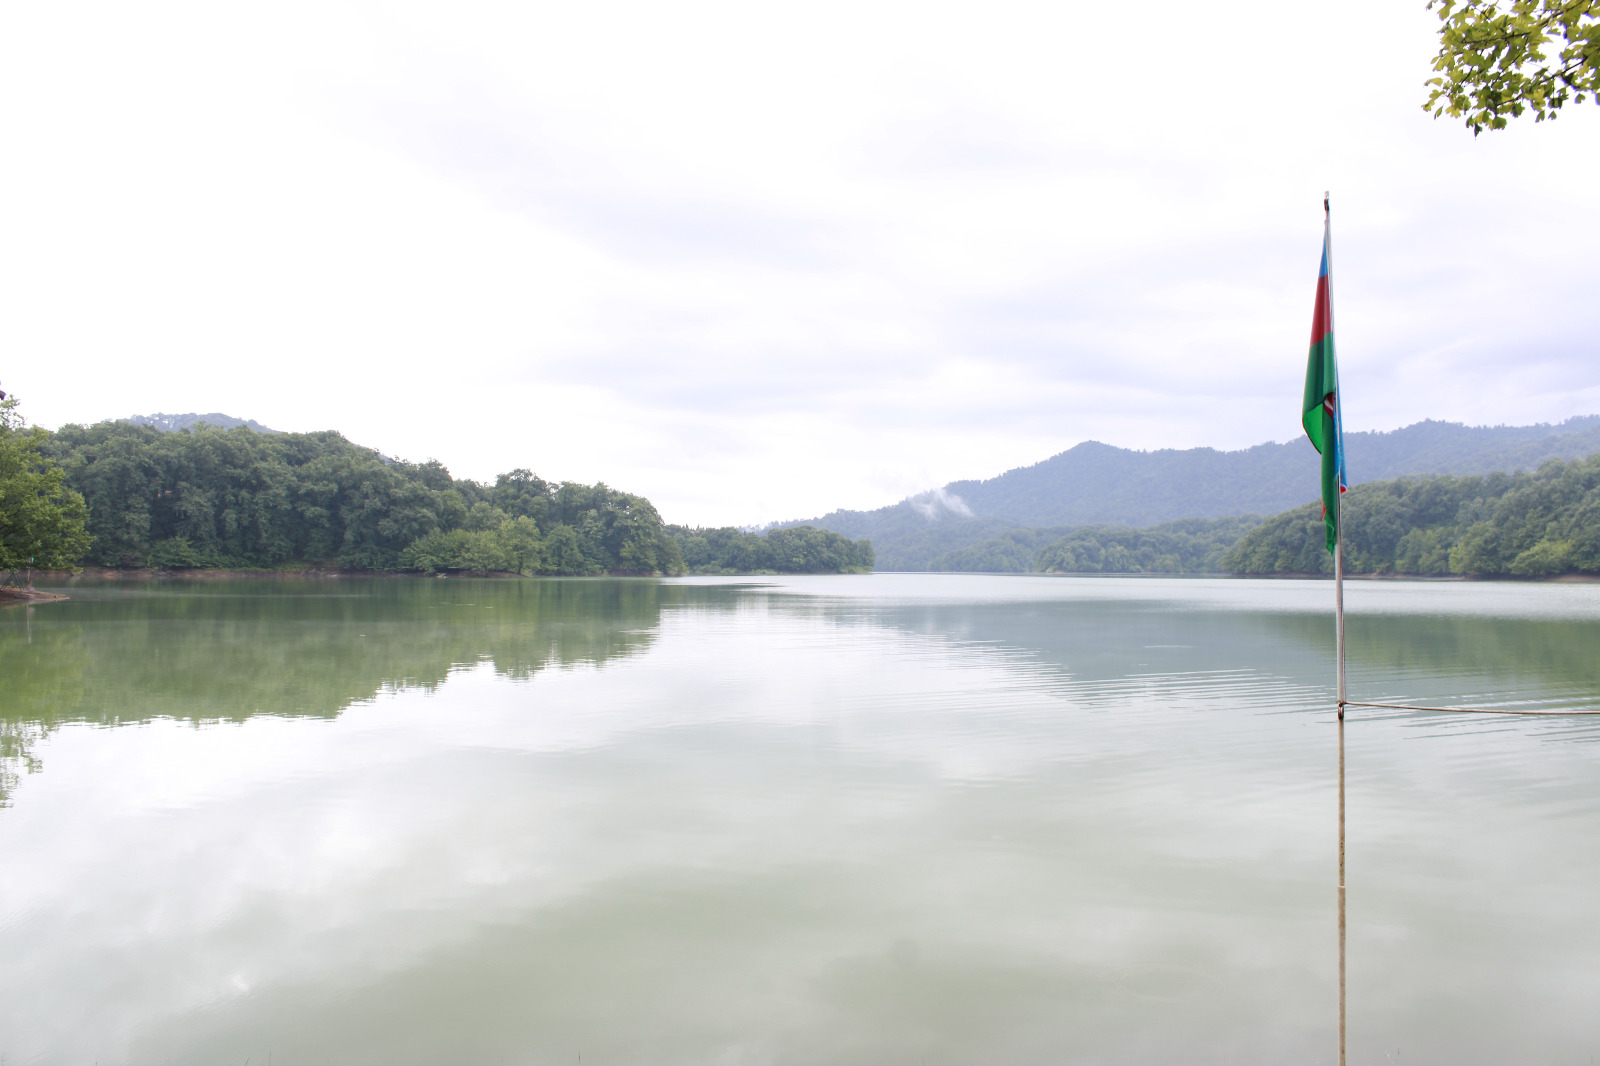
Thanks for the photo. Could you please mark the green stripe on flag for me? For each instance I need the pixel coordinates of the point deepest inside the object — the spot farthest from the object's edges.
(1322, 378)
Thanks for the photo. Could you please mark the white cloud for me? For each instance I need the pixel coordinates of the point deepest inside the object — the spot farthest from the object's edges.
(759, 263)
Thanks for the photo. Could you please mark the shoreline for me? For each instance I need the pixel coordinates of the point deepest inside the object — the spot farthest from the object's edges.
(1518, 579)
(11, 595)
(106, 573)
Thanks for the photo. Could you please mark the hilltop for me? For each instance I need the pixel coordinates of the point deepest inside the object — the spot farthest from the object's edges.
(172, 423)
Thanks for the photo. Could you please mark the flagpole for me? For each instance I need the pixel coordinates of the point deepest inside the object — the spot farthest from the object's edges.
(1338, 631)
(1338, 603)
(1338, 498)
(1341, 891)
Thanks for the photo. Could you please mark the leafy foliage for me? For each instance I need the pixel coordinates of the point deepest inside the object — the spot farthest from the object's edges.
(1190, 545)
(210, 497)
(790, 550)
(1494, 60)
(41, 520)
(1014, 551)
(1187, 546)
(174, 553)
(1522, 525)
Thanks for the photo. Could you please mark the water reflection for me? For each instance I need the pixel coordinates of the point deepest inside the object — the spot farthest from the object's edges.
(1526, 646)
(845, 821)
(224, 651)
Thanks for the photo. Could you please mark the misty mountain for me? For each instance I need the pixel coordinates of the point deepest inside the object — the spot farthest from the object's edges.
(1095, 483)
(170, 423)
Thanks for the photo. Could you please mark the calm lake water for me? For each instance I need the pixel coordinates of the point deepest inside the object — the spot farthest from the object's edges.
(885, 819)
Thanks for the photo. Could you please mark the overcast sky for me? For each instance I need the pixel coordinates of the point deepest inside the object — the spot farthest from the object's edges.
(760, 261)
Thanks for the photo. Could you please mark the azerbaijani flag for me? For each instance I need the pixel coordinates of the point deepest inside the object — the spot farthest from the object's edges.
(1319, 411)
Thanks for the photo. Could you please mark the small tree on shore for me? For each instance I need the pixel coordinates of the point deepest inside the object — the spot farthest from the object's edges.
(41, 520)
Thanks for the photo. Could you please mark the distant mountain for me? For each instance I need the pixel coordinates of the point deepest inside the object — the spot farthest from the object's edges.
(1098, 483)
(170, 423)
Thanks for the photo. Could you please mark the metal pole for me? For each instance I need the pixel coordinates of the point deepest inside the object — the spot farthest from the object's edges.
(1338, 630)
(1341, 891)
(1338, 604)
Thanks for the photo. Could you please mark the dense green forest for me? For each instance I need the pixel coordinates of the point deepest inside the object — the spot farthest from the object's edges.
(1011, 551)
(983, 545)
(1522, 524)
(791, 550)
(211, 497)
(1187, 546)
(239, 498)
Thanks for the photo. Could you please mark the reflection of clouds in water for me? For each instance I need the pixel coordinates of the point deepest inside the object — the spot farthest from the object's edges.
(396, 812)
(1487, 599)
(816, 829)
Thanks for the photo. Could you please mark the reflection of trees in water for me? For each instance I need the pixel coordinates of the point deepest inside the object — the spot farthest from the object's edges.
(42, 668)
(1511, 652)
(1106, 639)
(230, 650)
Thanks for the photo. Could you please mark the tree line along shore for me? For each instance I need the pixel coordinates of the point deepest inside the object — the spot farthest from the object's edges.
(121, 496)
(129, 497)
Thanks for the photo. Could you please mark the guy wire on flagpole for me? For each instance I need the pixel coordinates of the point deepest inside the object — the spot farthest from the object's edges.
(1338, 611)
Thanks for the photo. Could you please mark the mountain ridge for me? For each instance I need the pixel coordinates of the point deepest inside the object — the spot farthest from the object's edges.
(1097, 483)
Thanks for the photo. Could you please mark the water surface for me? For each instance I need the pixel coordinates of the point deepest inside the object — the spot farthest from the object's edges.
(893, 818)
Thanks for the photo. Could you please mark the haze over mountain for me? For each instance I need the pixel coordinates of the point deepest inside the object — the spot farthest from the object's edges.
(1099, 483)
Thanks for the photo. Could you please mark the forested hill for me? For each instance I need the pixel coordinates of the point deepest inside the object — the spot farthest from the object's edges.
(1097, 483)
(1524, 524)
(247, 498)
(237, 498)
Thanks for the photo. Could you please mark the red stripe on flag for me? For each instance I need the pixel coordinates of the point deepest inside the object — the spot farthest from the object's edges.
(1322, 314)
